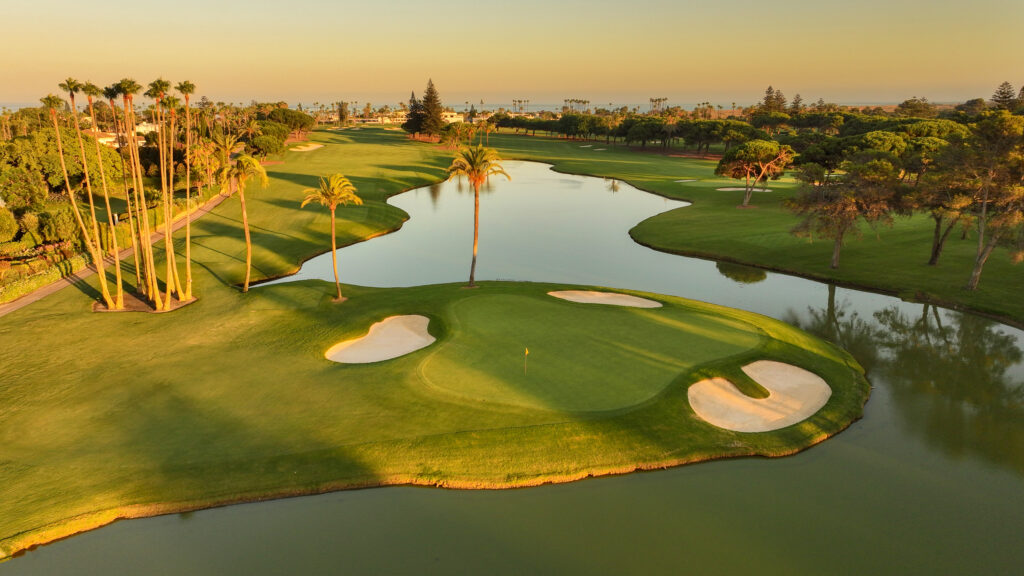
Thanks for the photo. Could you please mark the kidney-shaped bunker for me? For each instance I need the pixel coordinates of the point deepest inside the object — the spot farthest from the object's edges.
(390, 338)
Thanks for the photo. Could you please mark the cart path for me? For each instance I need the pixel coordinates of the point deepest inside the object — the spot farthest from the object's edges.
(44, 291)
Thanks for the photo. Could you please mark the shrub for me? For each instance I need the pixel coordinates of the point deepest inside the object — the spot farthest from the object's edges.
(57, 225)
(8, 225)
(29, 223)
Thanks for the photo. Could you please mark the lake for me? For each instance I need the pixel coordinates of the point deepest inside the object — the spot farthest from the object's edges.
(931, 480)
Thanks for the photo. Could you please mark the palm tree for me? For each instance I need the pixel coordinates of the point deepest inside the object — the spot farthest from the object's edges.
(158, 92)
(128, 89)
(245, 167)
(476, 164)
(487, 128)
(92, 91)
(52, 102)
(111, 93)
(171, 105)
(72, 87)
(224, 144)
(252, 129)
(204, 159)
(186, 89)
(334, 190)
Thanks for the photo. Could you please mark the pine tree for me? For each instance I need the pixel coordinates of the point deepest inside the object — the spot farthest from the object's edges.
(1004, 96)
(769, 99)
(414, 117)
(779, 102)
(797, 105)
(432, 121)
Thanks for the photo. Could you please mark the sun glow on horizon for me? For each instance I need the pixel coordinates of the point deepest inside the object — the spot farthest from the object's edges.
(318, 51)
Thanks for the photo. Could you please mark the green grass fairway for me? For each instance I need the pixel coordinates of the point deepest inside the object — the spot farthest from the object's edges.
(231, 399)
(588, 357)
(200, 407)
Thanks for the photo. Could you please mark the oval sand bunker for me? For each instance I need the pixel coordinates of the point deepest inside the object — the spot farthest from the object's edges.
(611, 298)
(390, 338)
(734, 189)
(794, 395)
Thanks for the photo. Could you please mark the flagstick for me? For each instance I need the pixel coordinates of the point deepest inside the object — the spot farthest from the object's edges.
(526, 357)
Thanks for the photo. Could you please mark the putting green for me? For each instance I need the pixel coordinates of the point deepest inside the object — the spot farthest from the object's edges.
(583, 357)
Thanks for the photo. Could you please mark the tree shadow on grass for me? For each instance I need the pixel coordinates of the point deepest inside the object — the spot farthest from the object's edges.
(252, 227)
(186, 447)
(304, 180)
(87, 286)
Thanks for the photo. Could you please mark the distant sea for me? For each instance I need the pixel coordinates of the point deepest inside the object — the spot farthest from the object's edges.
(18, 105)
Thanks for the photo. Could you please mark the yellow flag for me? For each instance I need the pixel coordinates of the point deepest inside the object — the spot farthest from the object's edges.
(527, 352)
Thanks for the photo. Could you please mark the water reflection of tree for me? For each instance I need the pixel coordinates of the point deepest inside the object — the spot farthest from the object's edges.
(838, 324)
(435, 194)
(949, 375)
(740, 273)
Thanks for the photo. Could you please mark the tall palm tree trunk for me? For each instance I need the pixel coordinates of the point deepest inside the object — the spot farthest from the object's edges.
(172, 265)
(248, 239)
(119, 292)
(334, 254)
(89, 246)
(140, 204)
(128, 199)
(188, 200)
(476, 232)
(162, 139)
(98, 257)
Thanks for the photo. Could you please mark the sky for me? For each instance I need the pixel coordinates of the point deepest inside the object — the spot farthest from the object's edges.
(604, 51)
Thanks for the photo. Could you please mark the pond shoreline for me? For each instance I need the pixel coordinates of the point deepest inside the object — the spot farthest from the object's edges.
(19, 545)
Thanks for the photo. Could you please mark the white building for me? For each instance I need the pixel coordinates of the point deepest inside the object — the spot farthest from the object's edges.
(450, 117)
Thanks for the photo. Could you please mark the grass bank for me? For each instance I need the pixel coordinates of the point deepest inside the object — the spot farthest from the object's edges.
(239, 404)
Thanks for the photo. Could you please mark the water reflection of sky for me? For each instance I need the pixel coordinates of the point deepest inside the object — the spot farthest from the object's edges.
(930, 481)
(552, 227)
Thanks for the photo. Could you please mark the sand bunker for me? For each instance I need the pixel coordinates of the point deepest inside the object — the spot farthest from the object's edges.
(390, 338)
(731, 189)
(598, 149)
(611, 298)
(586, 146)
(794, 395)
(687, 180)
(307, 147)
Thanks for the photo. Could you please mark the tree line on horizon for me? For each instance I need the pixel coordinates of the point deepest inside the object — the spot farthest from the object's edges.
(962, 167)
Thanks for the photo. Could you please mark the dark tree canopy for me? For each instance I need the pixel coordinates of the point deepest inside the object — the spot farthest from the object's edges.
(414, 116)
(432, 121)
(917, 108)
(972, 107)
(1005, 97)
(8, 225)
(295, 120)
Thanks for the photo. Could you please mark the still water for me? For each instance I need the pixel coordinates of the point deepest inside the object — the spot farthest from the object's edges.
(931, 481)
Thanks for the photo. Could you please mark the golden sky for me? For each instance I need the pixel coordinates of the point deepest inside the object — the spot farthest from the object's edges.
(603, 51)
